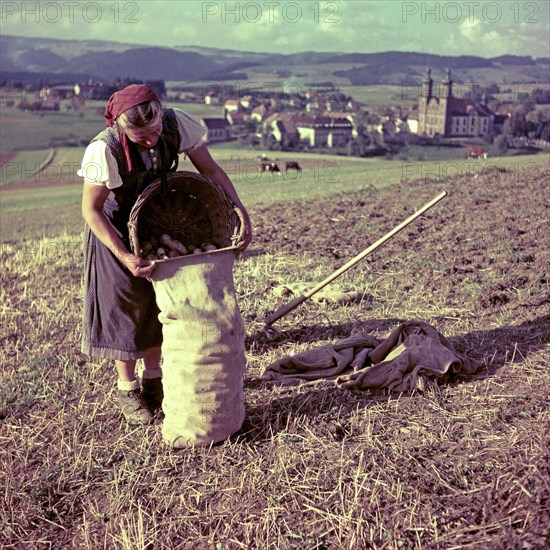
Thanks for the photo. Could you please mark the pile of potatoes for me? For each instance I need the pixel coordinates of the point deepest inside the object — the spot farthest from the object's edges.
(165, 247)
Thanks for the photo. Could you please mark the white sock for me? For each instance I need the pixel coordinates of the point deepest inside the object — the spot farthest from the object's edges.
(149, 374)
(127, 385)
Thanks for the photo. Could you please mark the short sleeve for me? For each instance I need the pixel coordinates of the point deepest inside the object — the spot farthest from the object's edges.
(191, 131)
(99, 167)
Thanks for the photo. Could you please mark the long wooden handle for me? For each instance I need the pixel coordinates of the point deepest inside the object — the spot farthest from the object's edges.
(283, 310)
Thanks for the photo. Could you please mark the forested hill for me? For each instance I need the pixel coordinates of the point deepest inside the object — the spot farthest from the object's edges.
(103, 60)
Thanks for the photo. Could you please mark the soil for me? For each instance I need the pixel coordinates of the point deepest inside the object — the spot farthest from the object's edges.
(464, 465)
(6, 157)
(448, 248)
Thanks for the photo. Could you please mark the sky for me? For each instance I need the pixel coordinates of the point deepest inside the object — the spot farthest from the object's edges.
(446, 27)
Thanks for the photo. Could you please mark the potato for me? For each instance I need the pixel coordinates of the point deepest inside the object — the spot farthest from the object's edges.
(173, 244)
(198, 250)
(209, 247)
(161, 253)
(146, 248)
(173, 253)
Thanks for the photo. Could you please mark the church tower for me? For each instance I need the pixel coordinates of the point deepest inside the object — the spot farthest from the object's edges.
(426, 95)
(446, 97)
(427, 88)
(448, 86)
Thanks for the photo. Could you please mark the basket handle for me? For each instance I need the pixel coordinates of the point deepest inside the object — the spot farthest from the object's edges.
(238, 232)
(152, 188)
(132, 231)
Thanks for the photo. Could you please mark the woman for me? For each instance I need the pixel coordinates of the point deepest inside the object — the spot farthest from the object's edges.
(120, 316)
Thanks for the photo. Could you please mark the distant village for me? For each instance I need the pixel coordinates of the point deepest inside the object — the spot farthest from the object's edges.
(330, 121)
(334, 121)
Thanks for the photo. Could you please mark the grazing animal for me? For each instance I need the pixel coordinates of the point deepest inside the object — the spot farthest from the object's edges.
(292, 165)
(270, 167)
(476, 153)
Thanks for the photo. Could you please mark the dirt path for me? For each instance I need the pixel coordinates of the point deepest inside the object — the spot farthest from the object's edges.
(6, 157)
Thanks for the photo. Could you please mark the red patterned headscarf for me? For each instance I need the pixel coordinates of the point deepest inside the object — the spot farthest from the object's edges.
(121, 101)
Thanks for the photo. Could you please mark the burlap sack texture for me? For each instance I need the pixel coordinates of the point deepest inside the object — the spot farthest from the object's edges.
(203, 331)
(414, 356)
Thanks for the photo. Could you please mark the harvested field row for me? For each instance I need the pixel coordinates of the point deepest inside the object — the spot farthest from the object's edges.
(462, 465)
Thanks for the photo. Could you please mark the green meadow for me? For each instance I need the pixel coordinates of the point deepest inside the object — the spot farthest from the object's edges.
(48, 202)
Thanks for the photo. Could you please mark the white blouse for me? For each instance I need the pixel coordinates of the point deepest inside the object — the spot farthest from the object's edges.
(99, 167)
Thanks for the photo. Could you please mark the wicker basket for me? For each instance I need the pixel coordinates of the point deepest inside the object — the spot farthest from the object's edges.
(192, 208)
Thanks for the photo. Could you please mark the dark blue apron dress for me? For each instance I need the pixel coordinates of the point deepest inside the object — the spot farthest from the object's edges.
(120, 314)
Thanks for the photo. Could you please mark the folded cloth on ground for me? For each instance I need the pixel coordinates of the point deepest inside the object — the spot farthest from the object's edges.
(333, 294)
(414, 355)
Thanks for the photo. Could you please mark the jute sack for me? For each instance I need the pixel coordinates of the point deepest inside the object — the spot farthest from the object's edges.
(203, 331)
(203, 348)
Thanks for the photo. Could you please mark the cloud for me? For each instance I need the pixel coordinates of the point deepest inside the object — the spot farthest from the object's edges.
(470, 29)
(488, 39)
(287, 27)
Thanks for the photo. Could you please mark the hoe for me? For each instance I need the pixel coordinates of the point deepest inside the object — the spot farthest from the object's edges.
(287, 308)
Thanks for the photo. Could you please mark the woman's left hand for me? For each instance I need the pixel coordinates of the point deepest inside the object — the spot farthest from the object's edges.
(247, 233)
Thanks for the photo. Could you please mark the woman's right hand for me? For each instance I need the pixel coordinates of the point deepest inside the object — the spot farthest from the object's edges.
(137, 266)
(93, 199)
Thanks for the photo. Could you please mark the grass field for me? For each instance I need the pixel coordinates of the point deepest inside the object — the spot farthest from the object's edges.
(465, 464)
(34, 130)
(48, 203)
